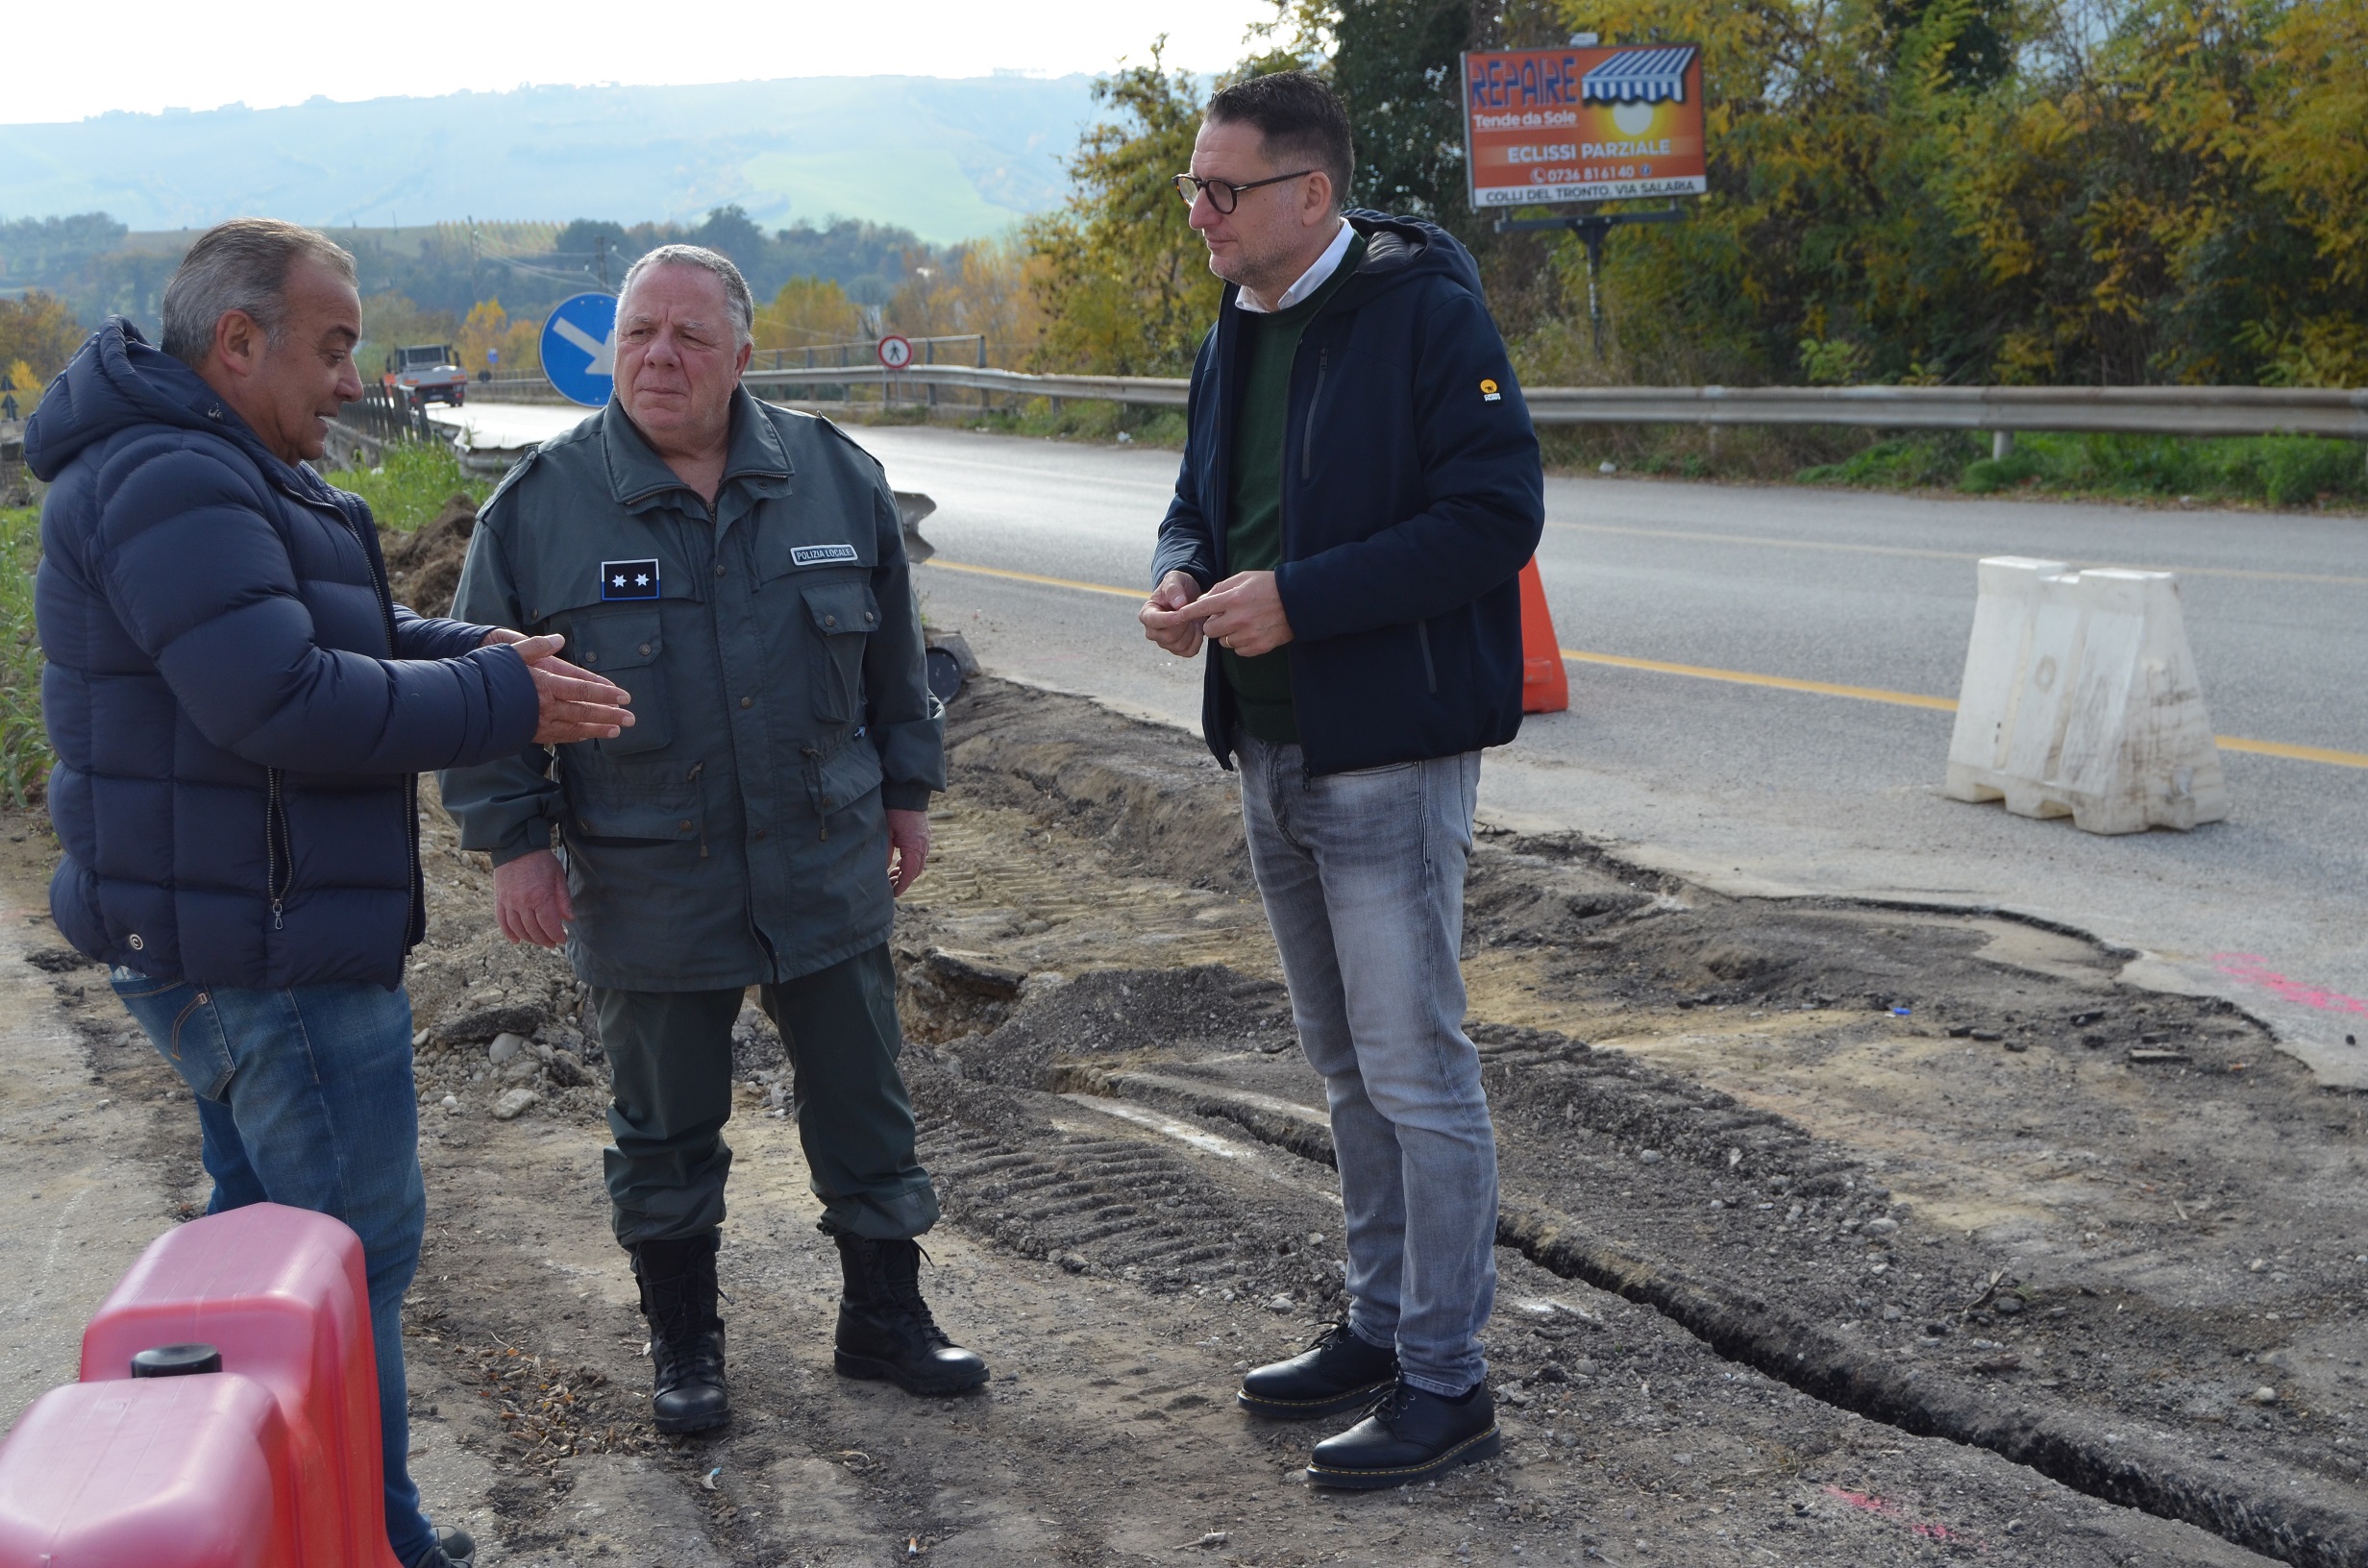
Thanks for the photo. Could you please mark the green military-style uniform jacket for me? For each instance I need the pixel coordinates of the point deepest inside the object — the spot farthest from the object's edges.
(735, 834)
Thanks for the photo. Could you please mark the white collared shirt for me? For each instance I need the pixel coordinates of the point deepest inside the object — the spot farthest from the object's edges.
(1310, 280)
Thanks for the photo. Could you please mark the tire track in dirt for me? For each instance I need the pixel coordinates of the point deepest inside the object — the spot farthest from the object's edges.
(1562, 932)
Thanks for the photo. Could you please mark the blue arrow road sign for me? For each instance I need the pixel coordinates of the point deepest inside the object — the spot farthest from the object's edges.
(580, 349)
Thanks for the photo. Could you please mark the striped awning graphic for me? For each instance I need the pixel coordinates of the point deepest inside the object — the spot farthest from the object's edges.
(1640, 76)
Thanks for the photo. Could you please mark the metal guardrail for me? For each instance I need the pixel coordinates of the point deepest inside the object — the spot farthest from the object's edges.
(2134, 410)
(2137, 411)
(1155, 391)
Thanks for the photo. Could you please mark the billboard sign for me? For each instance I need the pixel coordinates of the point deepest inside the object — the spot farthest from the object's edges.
(1583, 123)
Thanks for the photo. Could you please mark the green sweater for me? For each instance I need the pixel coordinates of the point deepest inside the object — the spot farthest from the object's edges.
(1254, 527)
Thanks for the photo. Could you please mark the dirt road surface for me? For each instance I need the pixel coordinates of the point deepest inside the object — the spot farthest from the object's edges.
(1832, 1234)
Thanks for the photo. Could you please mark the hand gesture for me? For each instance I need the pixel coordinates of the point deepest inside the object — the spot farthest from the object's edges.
(577, 704)
(1164, 618)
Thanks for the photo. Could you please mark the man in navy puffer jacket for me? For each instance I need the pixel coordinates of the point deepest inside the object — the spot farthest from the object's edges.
(240, 712)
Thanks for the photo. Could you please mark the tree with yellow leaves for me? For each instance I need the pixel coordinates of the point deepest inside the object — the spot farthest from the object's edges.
(808, 311)
(491, 339)
(37, 335)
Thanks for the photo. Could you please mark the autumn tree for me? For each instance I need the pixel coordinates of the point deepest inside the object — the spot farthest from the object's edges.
(37, 335)
(806, 312)
(1124, 282)
(491, 338)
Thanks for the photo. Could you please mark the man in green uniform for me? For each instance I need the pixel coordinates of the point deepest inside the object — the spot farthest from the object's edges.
(740, 569)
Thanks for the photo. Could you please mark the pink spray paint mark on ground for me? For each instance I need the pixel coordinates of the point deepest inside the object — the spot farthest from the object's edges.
(2255, 971)
(1867, 1503)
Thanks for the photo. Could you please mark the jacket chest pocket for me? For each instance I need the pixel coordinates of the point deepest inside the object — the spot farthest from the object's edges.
(625, 647)
(843, 615)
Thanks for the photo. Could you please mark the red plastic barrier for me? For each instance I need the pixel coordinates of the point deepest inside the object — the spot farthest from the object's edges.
(283, 1294)
(163, 1473)
(1545, 685)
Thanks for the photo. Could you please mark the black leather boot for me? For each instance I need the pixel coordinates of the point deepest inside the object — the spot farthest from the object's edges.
(1339, 1372)
(1410, 1435)
(687, 1336)
(885, 1330)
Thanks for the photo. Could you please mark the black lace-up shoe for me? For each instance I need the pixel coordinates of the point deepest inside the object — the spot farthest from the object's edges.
(687, 1336)
(887, 1331)
(1409, 1434)
(1339, 1372)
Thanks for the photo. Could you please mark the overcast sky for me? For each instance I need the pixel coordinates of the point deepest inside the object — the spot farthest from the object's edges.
(75, 61)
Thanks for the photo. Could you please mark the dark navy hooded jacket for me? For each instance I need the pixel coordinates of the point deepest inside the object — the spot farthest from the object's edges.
(1412, 496)
(239, 709)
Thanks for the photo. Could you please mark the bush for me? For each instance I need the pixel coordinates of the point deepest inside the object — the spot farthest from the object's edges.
(412, 486)
(2272, 470)
(25, 756)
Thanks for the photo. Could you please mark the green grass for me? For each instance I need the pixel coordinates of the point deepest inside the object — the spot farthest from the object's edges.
(25, 756)
(412, 486)
(2269, 469)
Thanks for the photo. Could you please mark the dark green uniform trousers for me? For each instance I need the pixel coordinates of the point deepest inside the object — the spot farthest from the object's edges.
(670, 1052)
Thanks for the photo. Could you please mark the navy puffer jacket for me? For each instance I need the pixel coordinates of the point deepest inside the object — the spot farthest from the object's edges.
(239, 709)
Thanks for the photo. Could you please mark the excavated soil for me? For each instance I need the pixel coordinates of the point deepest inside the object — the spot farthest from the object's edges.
(1832, 1233)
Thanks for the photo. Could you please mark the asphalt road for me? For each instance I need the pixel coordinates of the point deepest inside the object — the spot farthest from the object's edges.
(1044, 546)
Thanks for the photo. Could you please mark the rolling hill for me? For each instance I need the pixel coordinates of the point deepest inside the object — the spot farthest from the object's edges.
(948, 159)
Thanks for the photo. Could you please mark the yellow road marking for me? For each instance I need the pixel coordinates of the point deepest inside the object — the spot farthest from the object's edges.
(1943, 704)
(1138, 594)
(1914, 552)
(1735, 678)
(2299, 754)
(1782, 684)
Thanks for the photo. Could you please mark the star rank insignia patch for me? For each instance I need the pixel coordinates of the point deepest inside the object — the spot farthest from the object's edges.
(628, 579)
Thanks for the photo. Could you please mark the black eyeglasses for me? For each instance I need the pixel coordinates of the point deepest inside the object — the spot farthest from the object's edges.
(1223, 194)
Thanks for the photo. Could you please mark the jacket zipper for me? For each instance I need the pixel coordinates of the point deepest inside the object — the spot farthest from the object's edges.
(1282, 516)
(1307, 440)
(275, 832)
(411, 781)
(1430, 672)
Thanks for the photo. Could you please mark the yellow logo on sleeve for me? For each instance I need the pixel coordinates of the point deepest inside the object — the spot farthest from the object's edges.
(1489, 392)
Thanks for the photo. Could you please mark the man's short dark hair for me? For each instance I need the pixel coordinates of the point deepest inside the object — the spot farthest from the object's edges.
(1300, 124)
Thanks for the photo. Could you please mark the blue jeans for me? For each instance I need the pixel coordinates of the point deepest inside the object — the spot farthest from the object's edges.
(305, 1097)
(1361, 874)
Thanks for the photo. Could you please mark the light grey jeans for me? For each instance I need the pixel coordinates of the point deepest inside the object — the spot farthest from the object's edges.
(1363, 878)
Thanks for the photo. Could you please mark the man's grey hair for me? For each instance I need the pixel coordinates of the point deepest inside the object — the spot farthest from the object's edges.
(240, 265)
(735, 286)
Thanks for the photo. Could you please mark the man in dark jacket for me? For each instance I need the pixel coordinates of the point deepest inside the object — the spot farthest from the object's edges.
(240, 713)
(1359, 490)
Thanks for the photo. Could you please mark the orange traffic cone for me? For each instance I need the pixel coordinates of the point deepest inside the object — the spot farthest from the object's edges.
(1546, 686)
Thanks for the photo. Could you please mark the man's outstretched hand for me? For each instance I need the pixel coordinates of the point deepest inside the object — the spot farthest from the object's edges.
(529, 898)
(577, 704)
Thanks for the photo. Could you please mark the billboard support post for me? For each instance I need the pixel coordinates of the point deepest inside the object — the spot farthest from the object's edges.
(1593, 229)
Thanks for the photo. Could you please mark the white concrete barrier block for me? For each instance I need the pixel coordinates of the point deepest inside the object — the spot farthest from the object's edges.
(2081, 699)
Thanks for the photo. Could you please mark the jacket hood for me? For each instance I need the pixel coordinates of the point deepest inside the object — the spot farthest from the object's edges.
(117, 380)
(1400, 249)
